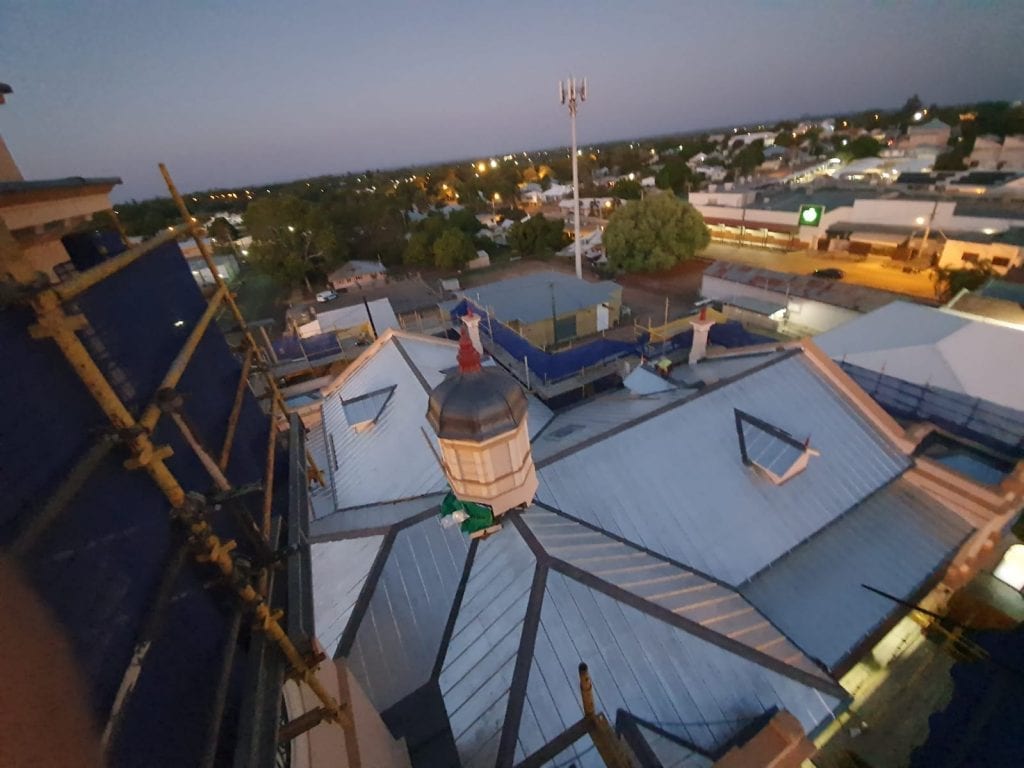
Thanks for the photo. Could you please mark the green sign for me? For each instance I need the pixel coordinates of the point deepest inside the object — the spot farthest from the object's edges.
(810, 215)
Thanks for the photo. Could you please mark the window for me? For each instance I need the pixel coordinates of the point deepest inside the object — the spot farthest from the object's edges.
(1000, 261)
(775, 452)
(970, 258)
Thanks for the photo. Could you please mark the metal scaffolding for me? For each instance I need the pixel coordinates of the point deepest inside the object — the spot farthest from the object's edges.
(52, 321)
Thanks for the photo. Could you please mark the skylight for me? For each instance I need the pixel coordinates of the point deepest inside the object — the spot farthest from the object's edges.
(362, 412)
(772, 450)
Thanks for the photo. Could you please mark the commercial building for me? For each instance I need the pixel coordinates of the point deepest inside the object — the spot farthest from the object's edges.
(1002, 251)
(549, 307)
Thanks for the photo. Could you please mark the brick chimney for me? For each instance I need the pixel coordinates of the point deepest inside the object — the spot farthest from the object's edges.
(701, 327)
(781, 743)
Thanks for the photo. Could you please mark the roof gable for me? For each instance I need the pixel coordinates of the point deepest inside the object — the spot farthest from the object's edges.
(363, 411)
(773, 450)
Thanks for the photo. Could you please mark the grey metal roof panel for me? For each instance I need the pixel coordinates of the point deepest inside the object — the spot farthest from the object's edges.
(396, 643)
(339, 571)
(371, 518)
(681, 683)
(539, 295)
(69, 183)
(480, 659)
(680, 590)
(894, 541)
(689, 495)
(597, 416)
(365, 470)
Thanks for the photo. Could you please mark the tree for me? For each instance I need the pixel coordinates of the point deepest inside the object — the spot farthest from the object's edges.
(747, 159)
(864, 146)
(537, 236)
(949, 282)
(453, 249)
(624, 189)
(654, 234)
(675, 174)
(220, 230)
(419, 251)
(290, 239)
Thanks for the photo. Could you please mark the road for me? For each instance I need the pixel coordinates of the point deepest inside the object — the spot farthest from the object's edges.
(870, 273)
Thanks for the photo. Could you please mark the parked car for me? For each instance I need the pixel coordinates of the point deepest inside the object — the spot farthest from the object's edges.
(324, 296)
(829, 273)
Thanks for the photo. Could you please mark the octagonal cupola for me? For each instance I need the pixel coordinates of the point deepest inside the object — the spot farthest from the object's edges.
(479, 415)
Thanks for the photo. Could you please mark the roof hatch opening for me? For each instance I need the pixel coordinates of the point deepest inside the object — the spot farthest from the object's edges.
(773, 451)
(362, 412)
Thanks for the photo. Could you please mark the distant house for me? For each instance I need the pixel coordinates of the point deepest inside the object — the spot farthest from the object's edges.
(367, 320)
(225, 263)
(934, 133)
(985, 155)
(550, 307)
(357, 274)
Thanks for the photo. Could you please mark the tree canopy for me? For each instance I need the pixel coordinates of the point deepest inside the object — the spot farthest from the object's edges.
(624, 189)
(675, 174)
(864, 146)
(453, 249)
(537, 236)
(654, 234)
(949, 282)
(290, 239)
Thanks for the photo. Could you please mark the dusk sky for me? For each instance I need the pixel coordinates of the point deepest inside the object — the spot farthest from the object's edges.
(232, 93)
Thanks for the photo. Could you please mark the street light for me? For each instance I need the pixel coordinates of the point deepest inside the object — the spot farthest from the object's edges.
(571, 93)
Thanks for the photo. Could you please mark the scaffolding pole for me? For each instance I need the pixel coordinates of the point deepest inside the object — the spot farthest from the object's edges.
(54, 323)
(196, 231)
(236, 410)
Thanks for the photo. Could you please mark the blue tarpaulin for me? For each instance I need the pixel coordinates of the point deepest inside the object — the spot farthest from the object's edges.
(554, 366)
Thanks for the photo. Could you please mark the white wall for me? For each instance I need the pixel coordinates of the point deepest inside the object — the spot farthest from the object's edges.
(953, 251)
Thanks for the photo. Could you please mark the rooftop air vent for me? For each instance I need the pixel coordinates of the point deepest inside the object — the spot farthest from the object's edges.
(362, 412)
(774, 451)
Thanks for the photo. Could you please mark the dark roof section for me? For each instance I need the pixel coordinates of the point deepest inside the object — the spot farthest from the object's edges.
(5, 89)
(476, 406)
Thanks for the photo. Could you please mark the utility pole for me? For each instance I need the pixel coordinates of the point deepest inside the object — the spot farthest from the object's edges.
(928, 227)
(573, 92)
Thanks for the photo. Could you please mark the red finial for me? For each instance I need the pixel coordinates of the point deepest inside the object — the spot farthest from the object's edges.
(704, 312)
(468, 357)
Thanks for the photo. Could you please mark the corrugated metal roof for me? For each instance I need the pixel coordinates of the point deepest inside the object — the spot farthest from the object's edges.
(343, 318)
(339, 571)
(927, 346)
(372, 517)
(481, 657)
(597, 416)
(641, 381)
(682, 591)
(539, 296)
(681, 683)
(767, 447)
(396, 642)
(364, 473)
(893, 541)
(677, 485)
